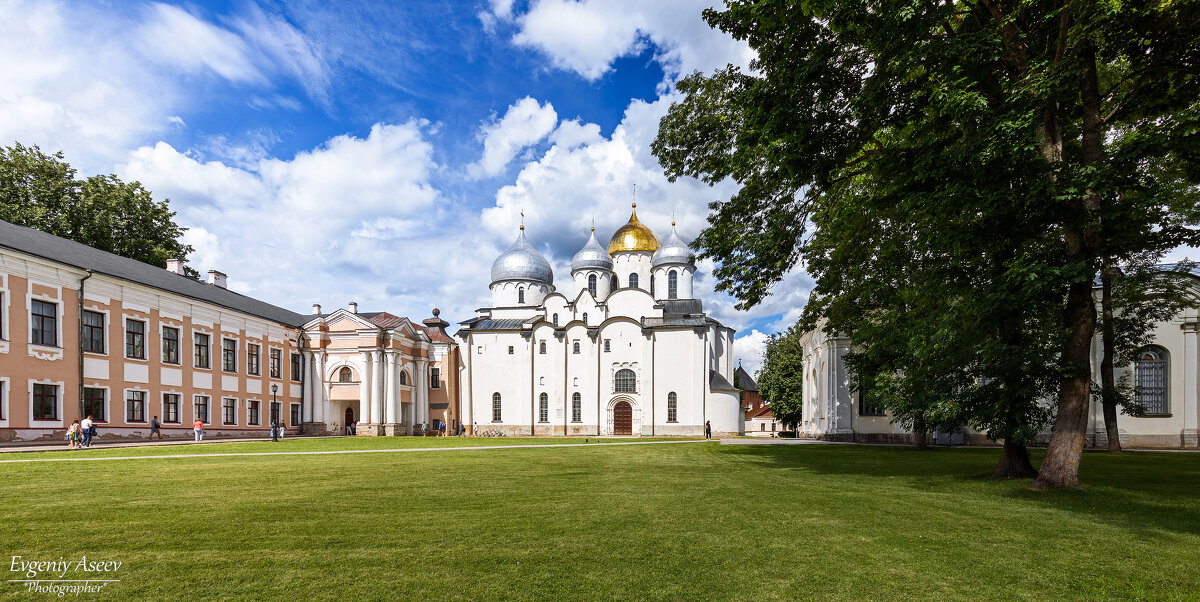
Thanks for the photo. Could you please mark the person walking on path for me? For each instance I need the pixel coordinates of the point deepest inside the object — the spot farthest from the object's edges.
(87, 429)
(73, 436)
(198, 426)
(155, 428)
(707, 430)
(441, 428)
(424, 429)
(274, 430)
(282, 428)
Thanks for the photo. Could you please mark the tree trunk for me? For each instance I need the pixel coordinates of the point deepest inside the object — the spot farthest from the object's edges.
(1060, 468)
(1014, 462)
(920, 433)
(1108, 381)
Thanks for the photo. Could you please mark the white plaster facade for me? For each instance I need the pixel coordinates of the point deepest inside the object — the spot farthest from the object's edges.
(576, 365)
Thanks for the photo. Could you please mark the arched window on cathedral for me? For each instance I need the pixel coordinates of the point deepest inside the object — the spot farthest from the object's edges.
(633, 281)
(554, 319)
(592, 284)
(616, 283)
(585, 317)
(542, 348)
(495, 407)
(403, 377)
(1150, 372)
(345, 375)
(520, 295)
(672, 284)
(672, 407)
(575, 347)
(544, 408)
(626, 381)
(576, 408)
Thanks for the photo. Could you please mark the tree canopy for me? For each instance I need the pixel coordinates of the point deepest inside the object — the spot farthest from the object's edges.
(781, 379)
(42, 191)
(953, 175)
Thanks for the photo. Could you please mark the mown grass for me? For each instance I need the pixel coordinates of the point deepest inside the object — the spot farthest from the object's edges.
(683, 521)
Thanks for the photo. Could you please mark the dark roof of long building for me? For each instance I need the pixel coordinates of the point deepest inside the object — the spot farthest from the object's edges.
(54, 248)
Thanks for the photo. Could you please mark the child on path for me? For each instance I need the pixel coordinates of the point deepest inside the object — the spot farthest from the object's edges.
(154, 428)
(73, 436)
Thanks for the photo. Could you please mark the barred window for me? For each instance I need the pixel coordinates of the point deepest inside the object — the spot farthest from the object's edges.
(575, 347)
(1150, 379)
(520, 295)
(44, 319)
(93, 332)
(542, 348)
(585, 318)
(495, 407)
(554, 319)
(544, 408)
(626, 381)
(672, 407)
(345, 375)
(592, 285)
(672, 284)
(135, 406)
(576, 407)
(135, 339)
(868, 405)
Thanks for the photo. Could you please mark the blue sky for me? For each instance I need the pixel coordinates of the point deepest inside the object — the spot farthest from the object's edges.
(377, 152)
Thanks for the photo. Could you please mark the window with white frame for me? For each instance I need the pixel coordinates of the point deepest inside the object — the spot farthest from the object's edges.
(43, 319)
(252, 412)
(202, 349)
(170, 345)
(229, 355)
(672, 407)
(229, 410)
(296, 418)
(1150, 378)
(93, 404)
(253, 359)
(45, 402)
(435, 378)
(93, 332)
(200, 408)
(633, 281)
(135, 339)
(135, 406)
(170, 407)
(276, 363)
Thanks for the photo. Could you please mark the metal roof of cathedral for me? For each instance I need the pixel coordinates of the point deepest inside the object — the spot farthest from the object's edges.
(522, 262)
(54, 248)
(744, 379)
(633, 236)
(673, 250)
(592, 255)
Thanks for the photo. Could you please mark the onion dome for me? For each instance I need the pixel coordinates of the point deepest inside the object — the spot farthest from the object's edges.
(592, 255)
(674, 250)
(522, 262)
(633, 236)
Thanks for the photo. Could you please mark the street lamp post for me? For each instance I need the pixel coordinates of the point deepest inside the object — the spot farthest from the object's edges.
(274, 413)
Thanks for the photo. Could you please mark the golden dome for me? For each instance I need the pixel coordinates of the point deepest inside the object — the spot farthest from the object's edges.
(633, 236)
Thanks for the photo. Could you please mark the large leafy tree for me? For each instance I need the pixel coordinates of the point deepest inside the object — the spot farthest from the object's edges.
(781, 379)
(1047, 122)
(42, 191)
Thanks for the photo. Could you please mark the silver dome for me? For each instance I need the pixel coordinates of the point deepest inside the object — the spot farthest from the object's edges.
(673, 250)
(592, 255)
(522, 262)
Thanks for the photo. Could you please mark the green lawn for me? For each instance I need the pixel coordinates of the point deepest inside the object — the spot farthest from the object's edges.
(685, 521)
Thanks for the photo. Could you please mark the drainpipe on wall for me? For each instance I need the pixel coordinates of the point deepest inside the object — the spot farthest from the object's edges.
(79, 317)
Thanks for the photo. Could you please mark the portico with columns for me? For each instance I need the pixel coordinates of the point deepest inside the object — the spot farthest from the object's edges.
(372, 370)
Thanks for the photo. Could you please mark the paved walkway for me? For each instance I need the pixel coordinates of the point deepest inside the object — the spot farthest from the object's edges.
(347, 451)
(40, 445)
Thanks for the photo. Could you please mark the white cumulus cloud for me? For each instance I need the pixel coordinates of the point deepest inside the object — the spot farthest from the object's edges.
(524, 123)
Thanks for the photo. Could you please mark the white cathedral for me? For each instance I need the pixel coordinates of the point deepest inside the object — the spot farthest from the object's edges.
(630, 352)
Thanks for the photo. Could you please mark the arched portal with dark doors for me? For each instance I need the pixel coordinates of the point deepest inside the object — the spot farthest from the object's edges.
(349, 416)
(622, 418)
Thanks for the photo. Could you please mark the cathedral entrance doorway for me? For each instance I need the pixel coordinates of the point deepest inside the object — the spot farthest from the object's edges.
(622, 418)
(349, 418)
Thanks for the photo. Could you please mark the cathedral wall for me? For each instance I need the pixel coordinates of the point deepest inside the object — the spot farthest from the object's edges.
(632, 262)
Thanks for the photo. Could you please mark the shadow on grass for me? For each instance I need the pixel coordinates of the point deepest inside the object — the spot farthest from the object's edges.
(1137, 491)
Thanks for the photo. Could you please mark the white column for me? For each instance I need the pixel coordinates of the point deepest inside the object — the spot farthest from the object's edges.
(391, 404)
(322, 389)
(365, 390)
(1191, 386)
(421, 389)
(377, 388)
(310, 386)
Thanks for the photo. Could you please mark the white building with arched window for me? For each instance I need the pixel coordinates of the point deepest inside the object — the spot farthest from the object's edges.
(1165, 377)
(628, 352)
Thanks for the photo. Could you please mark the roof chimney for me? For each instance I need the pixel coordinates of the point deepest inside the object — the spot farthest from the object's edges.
(217, 278)
(316, 309)
(175, 266)
(353, 307)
